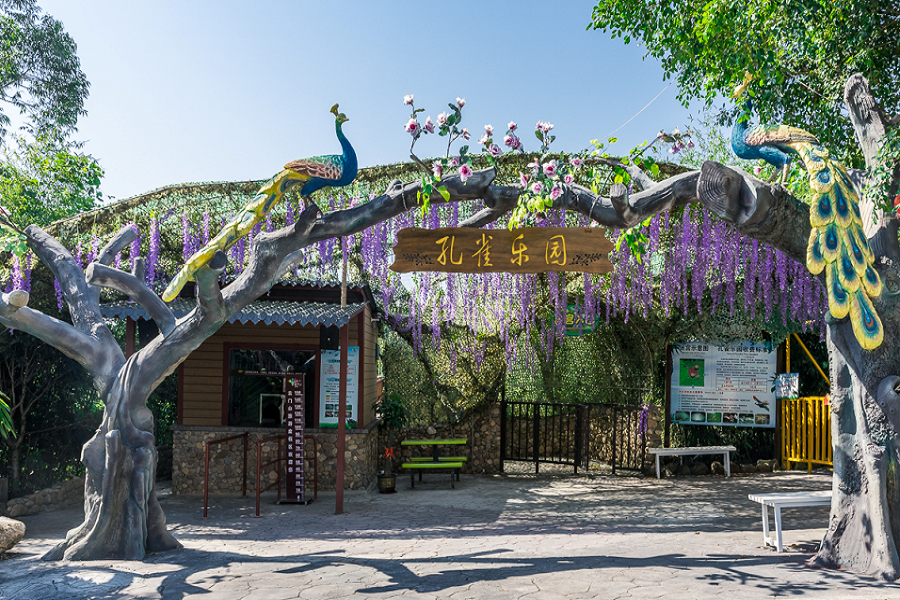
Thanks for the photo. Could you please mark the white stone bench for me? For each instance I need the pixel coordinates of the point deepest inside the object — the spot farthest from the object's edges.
(694, 450)
(786, 500)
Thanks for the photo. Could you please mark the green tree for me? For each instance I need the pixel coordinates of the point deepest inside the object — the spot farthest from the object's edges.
(40, 74)
(800, 52)
(47, 179)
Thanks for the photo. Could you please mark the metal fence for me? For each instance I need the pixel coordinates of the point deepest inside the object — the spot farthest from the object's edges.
(806, 431)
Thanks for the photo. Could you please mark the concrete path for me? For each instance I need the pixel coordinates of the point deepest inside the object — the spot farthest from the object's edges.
(506, 537)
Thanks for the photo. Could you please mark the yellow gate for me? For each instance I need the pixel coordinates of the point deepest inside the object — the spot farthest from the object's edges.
(805, 422)
(805, 431)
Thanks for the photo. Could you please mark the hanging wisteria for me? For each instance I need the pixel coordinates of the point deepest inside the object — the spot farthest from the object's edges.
(692, 262)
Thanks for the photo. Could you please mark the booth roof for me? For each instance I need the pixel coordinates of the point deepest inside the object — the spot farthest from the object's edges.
(274, 312)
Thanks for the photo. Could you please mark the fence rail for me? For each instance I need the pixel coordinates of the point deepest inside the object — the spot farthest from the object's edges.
(806, 431)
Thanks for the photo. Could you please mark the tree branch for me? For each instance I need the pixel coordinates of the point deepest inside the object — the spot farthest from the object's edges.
(870, 124)
(118, 242)
(98, 274)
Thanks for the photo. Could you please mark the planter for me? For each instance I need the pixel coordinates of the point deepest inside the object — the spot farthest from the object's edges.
(387, 484)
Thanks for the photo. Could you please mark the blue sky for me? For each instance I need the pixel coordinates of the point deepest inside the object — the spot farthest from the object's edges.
(226, 90)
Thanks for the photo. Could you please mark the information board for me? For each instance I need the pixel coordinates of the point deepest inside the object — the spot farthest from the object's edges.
(723, 384)
(329, 387)
(294, 409)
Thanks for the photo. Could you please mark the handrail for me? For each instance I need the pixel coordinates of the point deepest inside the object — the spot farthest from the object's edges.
(245, 437)
(277, 460)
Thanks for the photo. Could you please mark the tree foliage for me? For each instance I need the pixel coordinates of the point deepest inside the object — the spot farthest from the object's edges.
(801, 53)
(48, 179)
(40, 74)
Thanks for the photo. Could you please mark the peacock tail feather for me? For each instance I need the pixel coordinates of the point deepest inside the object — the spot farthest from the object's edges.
(242, 224)
(837, 244)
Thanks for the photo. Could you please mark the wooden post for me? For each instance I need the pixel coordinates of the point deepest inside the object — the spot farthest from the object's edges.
(342, 422)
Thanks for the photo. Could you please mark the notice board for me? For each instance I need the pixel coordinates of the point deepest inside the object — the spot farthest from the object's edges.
(730, 384)
(329, 387)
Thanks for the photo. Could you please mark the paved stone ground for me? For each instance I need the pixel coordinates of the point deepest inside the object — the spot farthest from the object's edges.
(507, 537)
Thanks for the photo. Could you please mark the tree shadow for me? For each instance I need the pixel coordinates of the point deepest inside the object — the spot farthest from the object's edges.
(170, 580)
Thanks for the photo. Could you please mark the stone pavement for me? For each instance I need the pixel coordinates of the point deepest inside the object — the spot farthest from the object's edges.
(503, 537)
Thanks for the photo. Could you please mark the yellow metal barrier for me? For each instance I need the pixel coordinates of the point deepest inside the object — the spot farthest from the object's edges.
(805, 431)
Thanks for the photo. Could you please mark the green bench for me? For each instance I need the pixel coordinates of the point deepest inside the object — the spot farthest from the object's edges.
(454, 463)
(443, 464)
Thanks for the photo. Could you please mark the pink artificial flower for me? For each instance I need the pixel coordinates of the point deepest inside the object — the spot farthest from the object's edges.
(454, 162)
(511, 141)
(437, 169)
(690, 143)
(465, 134)
(512, 126)
(495, 150)
(442, 119)
(489, 130)
(483, 140)
(673, 150)
(550, 169)
(661, 134)
(569, 178)
(576, 162)
(543, 126)
(537, 187)
(523, 180)
(535, 166)
(465, 172)
(555, 193)
(460, 102)
(757, 170)
(412, 126)
(408, 99)
(429, 125)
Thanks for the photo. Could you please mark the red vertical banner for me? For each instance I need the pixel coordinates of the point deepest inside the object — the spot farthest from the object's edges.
(293, 418)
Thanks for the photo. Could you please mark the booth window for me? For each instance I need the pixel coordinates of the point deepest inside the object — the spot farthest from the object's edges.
(256, 384)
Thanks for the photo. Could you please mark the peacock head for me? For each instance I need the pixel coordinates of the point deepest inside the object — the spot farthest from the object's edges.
(340, 118)
(740, 89)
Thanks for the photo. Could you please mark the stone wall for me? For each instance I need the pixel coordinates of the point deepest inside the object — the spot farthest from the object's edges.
(481, 429)
(226, 459)
(59, 496)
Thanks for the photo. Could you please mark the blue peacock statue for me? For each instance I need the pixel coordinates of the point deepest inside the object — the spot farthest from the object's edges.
(314, 173)
(837, 244)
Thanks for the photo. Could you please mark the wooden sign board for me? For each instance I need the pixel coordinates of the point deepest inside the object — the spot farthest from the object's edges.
(294, 421)
(528, 250)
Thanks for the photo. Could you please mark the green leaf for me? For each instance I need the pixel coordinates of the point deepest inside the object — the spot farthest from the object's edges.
(443, 191)
(613, 140)
(463, 150)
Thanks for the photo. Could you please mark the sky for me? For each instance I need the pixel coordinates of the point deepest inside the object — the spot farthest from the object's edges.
(231, 91)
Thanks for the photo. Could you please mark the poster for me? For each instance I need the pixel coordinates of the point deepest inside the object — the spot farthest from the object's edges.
(729, 384)
(329, 387)
(787, 385)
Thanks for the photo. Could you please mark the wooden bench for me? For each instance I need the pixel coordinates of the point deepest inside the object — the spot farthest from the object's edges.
(441, 464)
(786, 500)
(694, 450)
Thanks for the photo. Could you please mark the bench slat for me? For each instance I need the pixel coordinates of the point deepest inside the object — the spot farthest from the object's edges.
(440, 459)
(432, 465)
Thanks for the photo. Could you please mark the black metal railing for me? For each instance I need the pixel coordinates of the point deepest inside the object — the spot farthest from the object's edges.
(572, 434)
(552, 433)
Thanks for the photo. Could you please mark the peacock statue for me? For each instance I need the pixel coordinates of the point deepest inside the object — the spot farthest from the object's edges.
(837, 244)
(314, 173)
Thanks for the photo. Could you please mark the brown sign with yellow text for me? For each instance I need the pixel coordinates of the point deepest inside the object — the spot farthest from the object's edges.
(528, 250)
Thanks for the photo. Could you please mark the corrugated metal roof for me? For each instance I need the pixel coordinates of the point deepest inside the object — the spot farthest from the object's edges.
(275, 312)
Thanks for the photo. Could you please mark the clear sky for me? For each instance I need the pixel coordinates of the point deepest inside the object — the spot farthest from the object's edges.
(227, 90)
